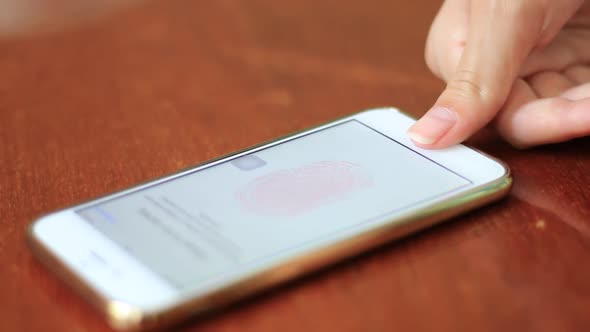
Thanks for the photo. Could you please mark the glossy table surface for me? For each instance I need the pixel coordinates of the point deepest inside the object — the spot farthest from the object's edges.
(163, 85)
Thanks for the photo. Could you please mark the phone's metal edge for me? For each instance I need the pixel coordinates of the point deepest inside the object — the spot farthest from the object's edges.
(125, 317)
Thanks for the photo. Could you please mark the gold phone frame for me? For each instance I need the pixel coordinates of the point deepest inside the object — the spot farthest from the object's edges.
(125, 317)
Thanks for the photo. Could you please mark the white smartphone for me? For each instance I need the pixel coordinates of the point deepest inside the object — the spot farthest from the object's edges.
(154, 254)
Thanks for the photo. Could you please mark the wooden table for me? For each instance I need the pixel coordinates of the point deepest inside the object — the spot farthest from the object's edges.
(167, 84)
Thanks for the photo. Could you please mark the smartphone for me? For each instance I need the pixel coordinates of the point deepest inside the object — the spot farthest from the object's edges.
(207, 236)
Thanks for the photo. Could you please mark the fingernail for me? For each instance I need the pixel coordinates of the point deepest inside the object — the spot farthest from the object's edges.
(433, 125)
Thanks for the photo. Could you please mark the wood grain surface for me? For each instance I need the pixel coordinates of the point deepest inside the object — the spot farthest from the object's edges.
(166, 84)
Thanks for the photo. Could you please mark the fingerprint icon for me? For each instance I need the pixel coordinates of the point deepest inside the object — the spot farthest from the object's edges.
(293, 192)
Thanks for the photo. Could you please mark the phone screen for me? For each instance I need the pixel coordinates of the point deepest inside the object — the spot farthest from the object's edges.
(208, 222)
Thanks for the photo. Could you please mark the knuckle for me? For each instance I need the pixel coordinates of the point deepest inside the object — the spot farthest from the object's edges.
(466, 85)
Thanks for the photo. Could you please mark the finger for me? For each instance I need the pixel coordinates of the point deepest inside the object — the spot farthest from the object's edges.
(561, 13)
(521, 94)
(570, 47)
(487, 69)
(578, 74)
(447, 36)
(546, 121)
(577, 93)
(550, 84)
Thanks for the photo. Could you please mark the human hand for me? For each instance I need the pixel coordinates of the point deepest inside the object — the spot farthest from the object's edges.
(521, 65)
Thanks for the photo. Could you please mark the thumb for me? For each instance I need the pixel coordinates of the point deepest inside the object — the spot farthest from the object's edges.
(502, 34)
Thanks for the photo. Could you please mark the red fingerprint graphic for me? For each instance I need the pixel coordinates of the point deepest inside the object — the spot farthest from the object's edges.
(295, 191)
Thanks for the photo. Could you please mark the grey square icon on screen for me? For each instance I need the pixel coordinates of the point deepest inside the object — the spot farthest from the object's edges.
(248, 163)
